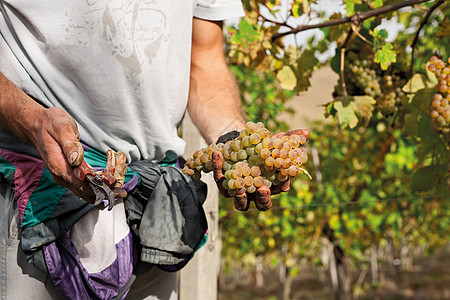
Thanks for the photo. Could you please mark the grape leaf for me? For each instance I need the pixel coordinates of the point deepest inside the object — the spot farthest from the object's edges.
(245, 34)
(287, 78)
(411, 126)
(444, 29)
(375, 222)
(422, 100)
(334, 32)
(416, 83)
(377, 3)
(379, 34)
(346, 115)
(385, 56)
(296, 10)
(335, 62)
(363, 106)
(379, 37)
(425, 178)
(351, 6)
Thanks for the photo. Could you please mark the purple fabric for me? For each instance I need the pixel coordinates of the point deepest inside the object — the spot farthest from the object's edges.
(27, 176)
(85, 147)
(179, 163)
(131, 184)
(66, 275)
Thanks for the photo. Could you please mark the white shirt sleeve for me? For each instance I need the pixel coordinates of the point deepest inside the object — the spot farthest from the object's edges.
(218, 10)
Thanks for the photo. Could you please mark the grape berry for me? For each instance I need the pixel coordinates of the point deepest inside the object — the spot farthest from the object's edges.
(384, 88)
(253, 159)
(440, 109)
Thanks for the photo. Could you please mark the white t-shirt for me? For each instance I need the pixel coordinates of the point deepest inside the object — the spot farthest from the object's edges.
(120, 68)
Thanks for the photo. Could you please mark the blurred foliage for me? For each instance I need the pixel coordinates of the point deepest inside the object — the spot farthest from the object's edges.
(384, 173)
(263, 99)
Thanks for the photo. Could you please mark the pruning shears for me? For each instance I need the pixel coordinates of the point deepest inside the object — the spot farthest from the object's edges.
(103, 193)
(107, 185)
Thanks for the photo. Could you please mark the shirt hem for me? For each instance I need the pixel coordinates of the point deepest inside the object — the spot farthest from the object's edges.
(219, 14)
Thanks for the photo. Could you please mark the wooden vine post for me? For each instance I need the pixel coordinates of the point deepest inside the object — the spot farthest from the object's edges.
(198, 280)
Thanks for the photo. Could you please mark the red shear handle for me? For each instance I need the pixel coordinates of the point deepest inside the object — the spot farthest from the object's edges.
(82, 170)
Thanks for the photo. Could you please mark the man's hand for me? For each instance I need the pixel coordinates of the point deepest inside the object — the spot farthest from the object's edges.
(51, 131)
(56, 138)
(262, 196)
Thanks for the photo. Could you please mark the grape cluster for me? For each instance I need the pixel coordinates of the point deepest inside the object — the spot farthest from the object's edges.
(253, 159)
(440, 109)
(384, 88)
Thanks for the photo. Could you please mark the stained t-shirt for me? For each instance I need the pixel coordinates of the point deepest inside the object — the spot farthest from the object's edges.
(120, 68)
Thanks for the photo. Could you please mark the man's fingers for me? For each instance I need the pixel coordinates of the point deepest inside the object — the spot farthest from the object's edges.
(223, 191)
(304, 132)
(78, 187)
(262, 198)
(281, 188)
(240, 201)
(73, 150)
(64, 131)
(217, 162)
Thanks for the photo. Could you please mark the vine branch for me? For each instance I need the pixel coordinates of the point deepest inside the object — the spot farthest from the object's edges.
(271, 21)
(357, 16)
(422, 24)
(343, 50)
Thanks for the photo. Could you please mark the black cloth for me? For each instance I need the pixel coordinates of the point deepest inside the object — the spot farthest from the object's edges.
(165, 211)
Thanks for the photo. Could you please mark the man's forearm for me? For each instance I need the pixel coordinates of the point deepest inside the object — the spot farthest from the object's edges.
(18, 112)
(214, 103)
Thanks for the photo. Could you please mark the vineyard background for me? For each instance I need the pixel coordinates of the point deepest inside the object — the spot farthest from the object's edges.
(420, 276)
(373, 222)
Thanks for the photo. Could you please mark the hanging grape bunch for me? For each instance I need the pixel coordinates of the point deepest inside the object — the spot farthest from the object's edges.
(253, 159)
(384, 88)
(440, 109)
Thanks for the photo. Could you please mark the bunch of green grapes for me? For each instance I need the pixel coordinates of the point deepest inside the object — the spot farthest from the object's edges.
(253, 159)
(385, 89)
(440, 109)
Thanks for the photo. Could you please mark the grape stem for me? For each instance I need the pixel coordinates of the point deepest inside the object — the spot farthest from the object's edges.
(306, 173)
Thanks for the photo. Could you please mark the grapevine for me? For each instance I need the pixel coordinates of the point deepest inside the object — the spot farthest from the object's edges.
(440, 109)
(253, 159)
(384, 87)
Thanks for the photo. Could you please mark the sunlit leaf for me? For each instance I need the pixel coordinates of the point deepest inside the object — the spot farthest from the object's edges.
(385, 56)
(351, 6)
(346, 115)
(417, 82)
(377, 3)
(287, 78)
(297, 10)
(363, 106)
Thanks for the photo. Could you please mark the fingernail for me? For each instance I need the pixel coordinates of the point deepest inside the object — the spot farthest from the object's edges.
(73, 157)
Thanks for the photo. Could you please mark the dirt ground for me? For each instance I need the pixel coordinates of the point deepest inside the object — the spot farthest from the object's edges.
(308, 104)
(428, 279)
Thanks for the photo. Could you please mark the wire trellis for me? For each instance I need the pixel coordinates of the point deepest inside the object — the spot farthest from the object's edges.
(298, 207)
